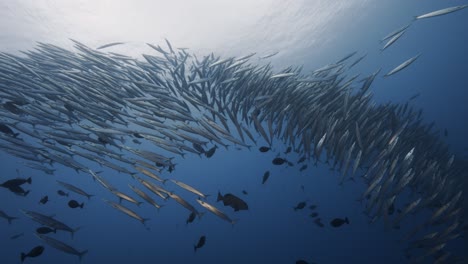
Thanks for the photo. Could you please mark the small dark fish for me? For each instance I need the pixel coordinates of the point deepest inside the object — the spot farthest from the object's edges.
(7, 130)
(200, 243)
(75, 204)
(17, 236)
(312, 207)
(35, 252)
(288, 150)
(303, 168)
(18, 190)
(265, 176)
(391, 209)
(198, 147)
(318, 221)
(314, 215)
(301, 159)
(44, 199)
(414, 96)
(211, 151)
(62, 193)
(278, 161)
(300, 206)
(264, 149)
(16, 182)
(290, 164)
(136, 141)
(45, 230)
(337, 222)
(244, 192)
(233, 201)
(191, 217)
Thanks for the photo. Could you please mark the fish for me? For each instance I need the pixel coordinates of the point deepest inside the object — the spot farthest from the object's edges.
(337, 222)
(441, 12)
(16, 182)
(268, 55)
(278, 161)
(216, 211)
(191, 218)
(185, 204)
(244, 192)
(392, 34)
(313, 215)
(209, 153)
(312, 207)
(75, 189)
(7, 130)
(303, 168)
(201, 243)
(190, 189)
(7, 217)
(403, 65)
(110, 45)
(126, 211)
(318, 222)
(75, 204)
(300, 206)
(264, 149)
(393, 40)
(44, 199)
(49, 221)
(61, 246)
(233, 201)
(288, 150)
(266, 175)
(16, 236)
(35, 252)
(145, 196)
(62, 193)
(45, 230)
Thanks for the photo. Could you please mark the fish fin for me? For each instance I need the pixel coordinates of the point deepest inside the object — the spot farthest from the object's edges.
(74, 230)
(194, 248)
(81, 205)
(81, 254)
(26, 193)
(220, 197)
(55, 231)
(23, 256)
(346, 220)
(29, 180)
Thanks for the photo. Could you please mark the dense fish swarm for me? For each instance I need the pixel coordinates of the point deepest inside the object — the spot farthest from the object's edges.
(84, 105)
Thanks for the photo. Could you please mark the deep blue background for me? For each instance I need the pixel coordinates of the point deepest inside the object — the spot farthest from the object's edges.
(271, 231)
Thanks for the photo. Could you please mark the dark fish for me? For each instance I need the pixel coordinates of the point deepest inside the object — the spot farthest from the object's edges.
(264, 149)
(244, 192)
(265, 176)
(337, 222)
(313, 215)
(304, 167)
(300, 206)
(301, 159)
(288, 150)
(136, 141)
(45, 230)
(62, 193)
(75, 204)
(18, 190)
(191, 217)
(200, 243)
(198, 147)
(17, 236)
(7, 130)
(318, 221)
(211, 151)
(312, 207)
(391, 209)
(233, 201)
(290, 164)
(278, 161)
(44, 199)
(35, 252)
(16, 182)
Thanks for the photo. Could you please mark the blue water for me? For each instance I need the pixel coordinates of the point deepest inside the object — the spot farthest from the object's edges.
(270, 231)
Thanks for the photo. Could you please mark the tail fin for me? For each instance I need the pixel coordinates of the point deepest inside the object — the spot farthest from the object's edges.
(220, 197)
(73, 231)
(194, 248)
(81, 205)
(29, 180)
(89, 195)
(23, 256)
(81, 254)
(346, 220)
(16, 134)
(25, 193)
(143, 221)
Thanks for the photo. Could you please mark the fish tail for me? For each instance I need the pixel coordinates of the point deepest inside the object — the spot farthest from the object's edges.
(29, 180)
(346, 220)
(16, 134)
(81, 205)
(220, 197)
(23, 256)
(26, 193)
(194, 248)
(55, 231)
(81, 254)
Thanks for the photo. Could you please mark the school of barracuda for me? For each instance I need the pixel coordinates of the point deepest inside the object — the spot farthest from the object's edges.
(87, 103)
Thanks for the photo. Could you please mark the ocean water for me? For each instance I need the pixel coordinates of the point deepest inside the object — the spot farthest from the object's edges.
(310, 34)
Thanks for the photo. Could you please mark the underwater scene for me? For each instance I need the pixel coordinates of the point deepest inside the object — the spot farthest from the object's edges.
(324, 131)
